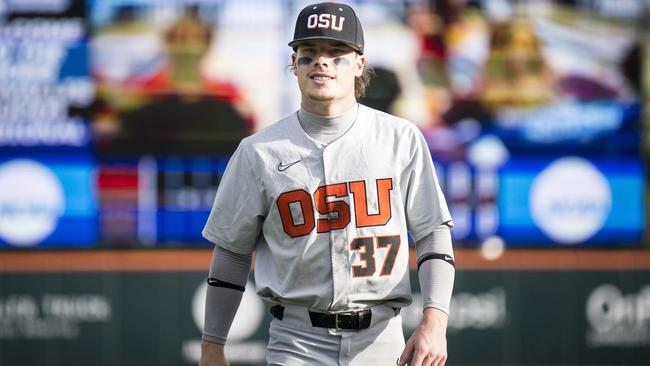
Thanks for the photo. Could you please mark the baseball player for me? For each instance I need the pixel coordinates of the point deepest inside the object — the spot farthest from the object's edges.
(325, 197)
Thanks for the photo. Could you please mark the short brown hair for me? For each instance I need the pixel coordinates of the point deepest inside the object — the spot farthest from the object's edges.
(361, 82)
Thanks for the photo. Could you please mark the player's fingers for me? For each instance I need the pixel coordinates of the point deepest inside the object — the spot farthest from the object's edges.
(419, 357)
(406, 354)
(439, 359)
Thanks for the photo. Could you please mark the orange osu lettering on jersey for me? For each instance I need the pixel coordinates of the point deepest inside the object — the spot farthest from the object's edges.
(290, 227)
(336, 212)
(341, 208)
(364, 219)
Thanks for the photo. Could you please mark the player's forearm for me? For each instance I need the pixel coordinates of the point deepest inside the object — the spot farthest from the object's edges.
(436, 284)
(226, 284)
(436, 270)
(221, 305)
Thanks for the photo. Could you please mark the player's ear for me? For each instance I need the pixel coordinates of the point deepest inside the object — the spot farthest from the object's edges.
(293, 64)
(360, 63)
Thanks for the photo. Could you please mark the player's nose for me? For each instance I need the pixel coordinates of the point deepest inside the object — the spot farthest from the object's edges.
(322, 59)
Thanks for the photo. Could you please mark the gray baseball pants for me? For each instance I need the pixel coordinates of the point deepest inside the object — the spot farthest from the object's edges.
(294, 341)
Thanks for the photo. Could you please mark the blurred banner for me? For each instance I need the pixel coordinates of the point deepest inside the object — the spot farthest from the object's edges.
(571, 200)
(51, 202)
(157, 201)
(154, 96)
(46, 84)
(123, 308)
(47, 168)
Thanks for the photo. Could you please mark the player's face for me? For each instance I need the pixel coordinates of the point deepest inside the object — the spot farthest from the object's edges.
(326, 71)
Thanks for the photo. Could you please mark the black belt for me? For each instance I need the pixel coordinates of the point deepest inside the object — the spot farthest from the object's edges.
(352, 320)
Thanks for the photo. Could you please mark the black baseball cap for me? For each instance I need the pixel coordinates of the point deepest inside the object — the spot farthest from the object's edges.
(329, 21)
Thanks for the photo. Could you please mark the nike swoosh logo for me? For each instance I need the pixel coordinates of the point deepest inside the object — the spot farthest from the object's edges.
(448, 258)
(284, 166)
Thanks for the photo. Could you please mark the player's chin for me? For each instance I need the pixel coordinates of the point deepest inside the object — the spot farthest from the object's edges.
(322, 97)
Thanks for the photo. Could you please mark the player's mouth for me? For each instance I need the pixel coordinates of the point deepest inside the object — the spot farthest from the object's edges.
(321, 78)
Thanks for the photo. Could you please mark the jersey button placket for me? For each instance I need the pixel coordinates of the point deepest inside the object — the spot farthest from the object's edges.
(338, 238)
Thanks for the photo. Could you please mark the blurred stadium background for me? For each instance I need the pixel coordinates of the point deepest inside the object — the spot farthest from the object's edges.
(117, 118)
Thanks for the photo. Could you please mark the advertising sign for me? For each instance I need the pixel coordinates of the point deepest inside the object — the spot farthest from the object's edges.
(571, 201)
(46, 85)
(47, 202)
(153, 317)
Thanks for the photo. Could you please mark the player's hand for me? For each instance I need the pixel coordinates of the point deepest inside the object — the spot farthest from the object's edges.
(212, 354)
(427, 346)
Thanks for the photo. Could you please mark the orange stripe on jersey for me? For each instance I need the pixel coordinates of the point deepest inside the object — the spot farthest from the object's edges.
(363, 219)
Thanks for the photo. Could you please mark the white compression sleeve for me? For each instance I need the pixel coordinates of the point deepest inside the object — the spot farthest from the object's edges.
(226, 284)
(436, 268)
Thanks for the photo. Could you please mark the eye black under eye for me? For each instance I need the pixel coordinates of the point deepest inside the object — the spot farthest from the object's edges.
(304, 60)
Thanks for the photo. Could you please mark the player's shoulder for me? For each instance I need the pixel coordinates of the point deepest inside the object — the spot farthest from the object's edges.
(279, 130)
(389, 122)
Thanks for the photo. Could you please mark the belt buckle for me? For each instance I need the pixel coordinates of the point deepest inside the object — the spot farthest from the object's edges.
(336, 321)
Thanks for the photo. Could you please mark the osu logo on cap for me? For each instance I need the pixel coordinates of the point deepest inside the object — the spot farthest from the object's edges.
(325, 21)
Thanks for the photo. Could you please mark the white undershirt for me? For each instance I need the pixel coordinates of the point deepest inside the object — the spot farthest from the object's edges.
(326, 129)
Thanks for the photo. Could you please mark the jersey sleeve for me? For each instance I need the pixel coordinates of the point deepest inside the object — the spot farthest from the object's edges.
(425, 205)
(239, 207)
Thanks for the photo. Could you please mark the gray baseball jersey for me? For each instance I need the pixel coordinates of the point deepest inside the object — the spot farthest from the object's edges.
(329, 223)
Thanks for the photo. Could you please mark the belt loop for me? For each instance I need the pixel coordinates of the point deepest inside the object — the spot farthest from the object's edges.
(277, 311)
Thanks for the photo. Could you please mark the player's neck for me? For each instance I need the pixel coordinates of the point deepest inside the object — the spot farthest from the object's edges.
(328, 108)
